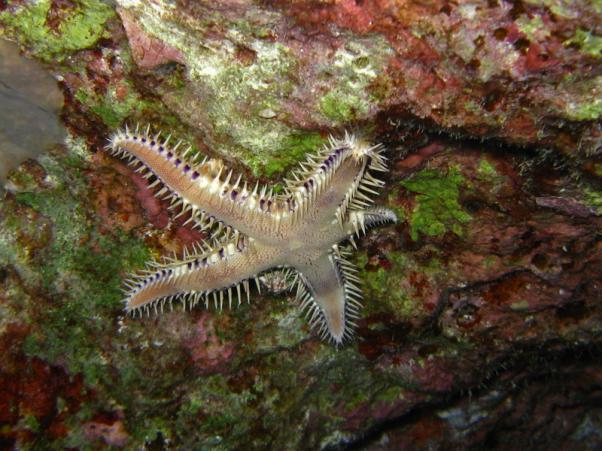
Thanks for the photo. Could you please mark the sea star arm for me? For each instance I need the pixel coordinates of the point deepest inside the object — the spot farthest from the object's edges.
(363, 220)
(204, 189)
(329, 294)
(358, 224)
(341, 181)
(219, 273)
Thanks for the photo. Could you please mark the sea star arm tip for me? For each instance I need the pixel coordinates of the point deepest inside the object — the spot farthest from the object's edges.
(218, 273)
(330, 295)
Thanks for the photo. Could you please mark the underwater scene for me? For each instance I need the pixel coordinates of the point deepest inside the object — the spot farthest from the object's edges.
(300, 224)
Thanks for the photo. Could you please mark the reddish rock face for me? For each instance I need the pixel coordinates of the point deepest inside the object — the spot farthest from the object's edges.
(208, 352)
(148, 52)
(30, 389)
(489, 68)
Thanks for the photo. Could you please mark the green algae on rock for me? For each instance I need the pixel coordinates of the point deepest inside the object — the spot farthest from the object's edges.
(593, 198)
(115, 106)
(437, 209)
(588, 42)
(244, 88)
(75, 264)
(77, 27)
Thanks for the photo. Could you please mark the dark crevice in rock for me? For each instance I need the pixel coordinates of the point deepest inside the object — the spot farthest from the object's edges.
(521, 368)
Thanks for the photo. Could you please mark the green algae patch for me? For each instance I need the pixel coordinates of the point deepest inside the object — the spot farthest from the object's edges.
(79, 269)
(79, 27)
(593, 198)
(586, 111)
(112, 108)
(587, 42)
(386, 285)
(438, 209)
(294, 149)
(342, 107)
(580, 100)
(486, 170)
(561, 8)
(353, 71)
(488, 175)
(31, 423)
(534, 27)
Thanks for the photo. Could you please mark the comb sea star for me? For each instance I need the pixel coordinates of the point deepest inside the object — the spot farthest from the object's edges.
(328, 201)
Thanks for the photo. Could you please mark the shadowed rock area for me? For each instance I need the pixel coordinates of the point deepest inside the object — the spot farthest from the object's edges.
(482, 318)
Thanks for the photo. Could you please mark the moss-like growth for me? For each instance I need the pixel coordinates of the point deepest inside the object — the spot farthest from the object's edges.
(437, 210)
(354, 72)
(385, 285)
(111, 108)
(31, 423)
(294, 148)
(533, 27)
(79, 27)
(561, 8)
(587, 111)
(488, 175)
(342, 107)
(486, 169)
(593, 198)
(587, 42)
(580, 99)
(394, 286)
(80, 268)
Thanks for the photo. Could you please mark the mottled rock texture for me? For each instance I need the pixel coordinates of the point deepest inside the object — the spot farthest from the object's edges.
(482, 320)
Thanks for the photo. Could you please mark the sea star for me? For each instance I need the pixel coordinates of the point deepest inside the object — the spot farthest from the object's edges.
(325, 203)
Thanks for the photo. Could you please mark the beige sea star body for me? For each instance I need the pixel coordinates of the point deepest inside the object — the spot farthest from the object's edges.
(328, 201)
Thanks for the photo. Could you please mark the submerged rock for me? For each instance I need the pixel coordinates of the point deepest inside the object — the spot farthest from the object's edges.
(482, 313)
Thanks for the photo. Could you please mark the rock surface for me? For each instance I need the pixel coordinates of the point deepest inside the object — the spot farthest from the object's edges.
(482, 319)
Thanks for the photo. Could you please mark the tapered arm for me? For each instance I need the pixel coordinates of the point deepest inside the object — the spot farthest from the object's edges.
(204, 189)
(337, 180)
(330, 295)
(218, 273)
(360, 221)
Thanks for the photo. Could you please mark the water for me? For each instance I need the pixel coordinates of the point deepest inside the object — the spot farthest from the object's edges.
(30, 103)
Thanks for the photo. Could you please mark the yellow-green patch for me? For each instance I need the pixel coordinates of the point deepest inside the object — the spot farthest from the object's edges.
(80, 27)
(437, 208)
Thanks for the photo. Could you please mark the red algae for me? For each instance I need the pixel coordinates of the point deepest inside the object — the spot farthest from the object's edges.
(30, 387)
(207, 350)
